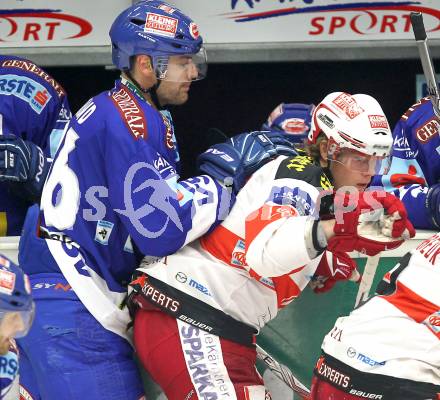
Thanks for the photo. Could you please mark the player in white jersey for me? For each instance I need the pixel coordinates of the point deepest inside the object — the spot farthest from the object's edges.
(197, 312)
(16, 315)
(389, 347)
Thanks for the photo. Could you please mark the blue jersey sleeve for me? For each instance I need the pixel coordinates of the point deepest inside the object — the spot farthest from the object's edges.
(31, 100)
(160, 212)
(33, 106)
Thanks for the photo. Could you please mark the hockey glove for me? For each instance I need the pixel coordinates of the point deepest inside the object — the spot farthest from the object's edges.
(333, 267)
(233, 161)
(23, 165)
(369, 222)
(432, 203)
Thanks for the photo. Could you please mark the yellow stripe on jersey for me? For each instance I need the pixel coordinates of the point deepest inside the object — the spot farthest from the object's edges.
(3, 224)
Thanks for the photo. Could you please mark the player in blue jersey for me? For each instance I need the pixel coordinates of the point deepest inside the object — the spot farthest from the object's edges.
(16, 315)
(414, 175)
(292, 119)
(113, 196)
(33, 113)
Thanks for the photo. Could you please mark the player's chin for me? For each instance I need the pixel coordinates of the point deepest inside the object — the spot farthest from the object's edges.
(181, 98)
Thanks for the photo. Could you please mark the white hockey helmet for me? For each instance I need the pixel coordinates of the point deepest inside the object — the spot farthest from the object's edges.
(354, 122)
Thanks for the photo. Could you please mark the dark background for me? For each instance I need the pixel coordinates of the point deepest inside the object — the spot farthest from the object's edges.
(239, 97)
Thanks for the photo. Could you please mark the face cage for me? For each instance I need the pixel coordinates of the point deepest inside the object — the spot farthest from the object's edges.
(181, 68)
(359, 162)
(27, 317)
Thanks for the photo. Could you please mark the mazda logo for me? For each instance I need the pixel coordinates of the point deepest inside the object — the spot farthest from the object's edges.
(351, 352)
(181, 277)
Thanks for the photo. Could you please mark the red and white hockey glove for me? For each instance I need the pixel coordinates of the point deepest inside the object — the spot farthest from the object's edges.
(334, 267)
(369, 222)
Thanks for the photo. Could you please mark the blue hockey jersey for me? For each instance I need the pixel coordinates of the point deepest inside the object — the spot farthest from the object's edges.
(112, 194)
(416, 161)
(9, 372)
(34, 107)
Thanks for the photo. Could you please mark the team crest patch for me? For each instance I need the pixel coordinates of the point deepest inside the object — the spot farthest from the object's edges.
(103, 231)
(161, 25)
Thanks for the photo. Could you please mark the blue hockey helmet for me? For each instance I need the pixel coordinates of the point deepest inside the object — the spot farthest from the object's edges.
(292, 119)
(159, 30)
(15, 300)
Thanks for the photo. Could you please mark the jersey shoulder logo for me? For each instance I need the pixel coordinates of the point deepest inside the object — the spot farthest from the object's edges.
(131, 112)
(429, 130)
(26, 89)
(30, 67)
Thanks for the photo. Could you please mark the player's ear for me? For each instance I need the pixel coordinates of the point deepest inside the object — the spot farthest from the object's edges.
(144, 63)
(142, 70)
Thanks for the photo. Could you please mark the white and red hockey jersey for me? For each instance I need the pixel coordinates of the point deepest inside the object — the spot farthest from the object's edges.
(256, 261)
(396, 333)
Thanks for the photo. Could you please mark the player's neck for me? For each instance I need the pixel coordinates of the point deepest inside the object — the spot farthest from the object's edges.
(134, 86)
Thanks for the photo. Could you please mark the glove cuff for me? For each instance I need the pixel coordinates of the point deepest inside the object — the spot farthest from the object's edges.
(316, 241)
